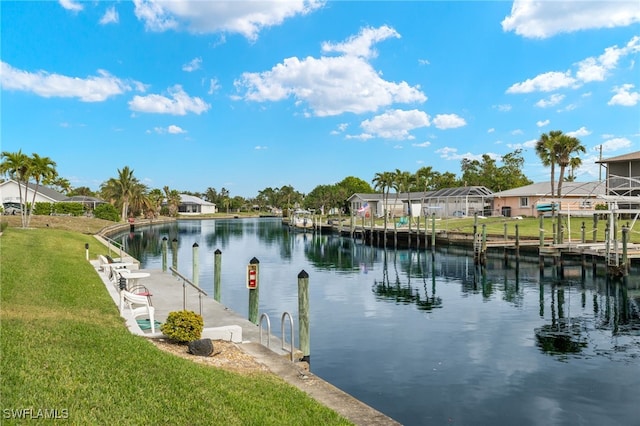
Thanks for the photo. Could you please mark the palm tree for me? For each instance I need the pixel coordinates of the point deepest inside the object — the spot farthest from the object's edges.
(573, 165)
(16, 166)
(40, 168)
(383, 181)
(173, 200)
(546, 148)
(119, 190)
(566, 149)
(155, 196)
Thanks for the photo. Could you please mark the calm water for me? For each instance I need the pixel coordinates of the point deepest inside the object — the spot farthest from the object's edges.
(432, 340)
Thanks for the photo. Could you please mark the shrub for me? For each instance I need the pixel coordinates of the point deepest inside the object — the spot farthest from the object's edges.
(43, 208)
(3, 226)
(183, 326)
(73, 209)
(106, 212)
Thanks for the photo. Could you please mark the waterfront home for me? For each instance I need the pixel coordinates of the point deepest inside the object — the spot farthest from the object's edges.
(578, 198)
(623, 179)
(11, 197)
(190, 204)
(447, 202)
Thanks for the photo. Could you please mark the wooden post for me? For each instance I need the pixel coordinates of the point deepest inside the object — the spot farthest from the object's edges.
(433, 231)
(196, 266)
(303, 315)
(555, 233)
(484, 244)
(254, 293)
(583, 236)
(418, 232)
(217, 268)
(164, 253)
(174, 253)
(541, 231)
(517, 243)
(595, 228)
(504, 249)
(625, 263)
(475, 223)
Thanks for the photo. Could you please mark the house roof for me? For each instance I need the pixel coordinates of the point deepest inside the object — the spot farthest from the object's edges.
(622, 158)
(46, 192)
(543, 189)
(84, 199)
(191, 199)
(462, 191)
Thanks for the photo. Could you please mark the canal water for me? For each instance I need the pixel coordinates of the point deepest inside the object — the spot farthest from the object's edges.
(427, 337)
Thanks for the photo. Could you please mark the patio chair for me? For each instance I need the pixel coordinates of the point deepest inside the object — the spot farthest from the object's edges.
(138, 305)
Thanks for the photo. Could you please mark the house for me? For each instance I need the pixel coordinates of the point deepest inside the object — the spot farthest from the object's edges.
(446, 202)
(623, 179)
(11, 197)
(190, 204)
(535, 199)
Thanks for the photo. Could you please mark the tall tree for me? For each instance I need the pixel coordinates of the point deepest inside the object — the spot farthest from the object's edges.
(16, 166)
(173, 200)
(383, 181)
(567, 150)
(119, 190)
(39, 168)
(546, 148)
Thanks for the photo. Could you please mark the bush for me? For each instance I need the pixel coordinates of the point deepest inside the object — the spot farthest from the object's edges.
(106, 212)
(73, 209)
(43, 208)
(183, 326)
(3, 226)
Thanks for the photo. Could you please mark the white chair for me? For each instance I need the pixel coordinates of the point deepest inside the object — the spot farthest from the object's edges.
(139, 306)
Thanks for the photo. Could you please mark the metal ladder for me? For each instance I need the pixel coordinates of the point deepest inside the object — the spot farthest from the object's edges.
(282, 322)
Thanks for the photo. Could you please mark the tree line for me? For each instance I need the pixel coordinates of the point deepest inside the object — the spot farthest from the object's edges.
(132, 198)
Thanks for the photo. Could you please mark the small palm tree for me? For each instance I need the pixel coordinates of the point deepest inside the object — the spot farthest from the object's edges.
(40, 168)
(383, 181)
(16, 166)
(119, 190)
(567, 148)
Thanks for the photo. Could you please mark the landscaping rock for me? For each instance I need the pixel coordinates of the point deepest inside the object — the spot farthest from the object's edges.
(202, 347)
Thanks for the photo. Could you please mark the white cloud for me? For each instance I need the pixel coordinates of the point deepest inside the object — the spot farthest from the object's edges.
(71, 5)
(503, 107)
(589, 69)
(192, 65)
(179, 103)
(491, 130)
(542, 19)
(615, 144)
(448, 121)
(542, 123)
(174, 130)
(213, 86)
(91, 89)
(260, 147)
(624, 96)
(396, 124)
(362, 136)
(546, 82)
(422, 145)
(581, 132)
(246, 18)
(517, 132)
(530, 143)
(110, 16)
(449, 153)
(361, 45)
(552, 100)
(331, 85)
(424, 62)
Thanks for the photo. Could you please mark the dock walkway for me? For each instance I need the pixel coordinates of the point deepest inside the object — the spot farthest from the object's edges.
(222, 323)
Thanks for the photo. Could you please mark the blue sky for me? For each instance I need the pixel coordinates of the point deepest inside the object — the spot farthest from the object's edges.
(247, 95)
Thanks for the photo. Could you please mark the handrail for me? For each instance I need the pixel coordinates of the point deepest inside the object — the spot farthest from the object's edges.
(114, 243)
(284, 315)
(265, 316)
(185, 281)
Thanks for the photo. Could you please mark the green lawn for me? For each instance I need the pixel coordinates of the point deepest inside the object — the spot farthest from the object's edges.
(64, 347)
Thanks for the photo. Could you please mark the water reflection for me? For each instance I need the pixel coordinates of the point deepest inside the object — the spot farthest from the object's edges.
(427, 337)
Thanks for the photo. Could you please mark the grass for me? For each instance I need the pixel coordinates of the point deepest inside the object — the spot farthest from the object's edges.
(64, 347)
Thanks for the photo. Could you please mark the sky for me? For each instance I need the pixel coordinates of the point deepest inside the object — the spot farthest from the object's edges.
(247, 95)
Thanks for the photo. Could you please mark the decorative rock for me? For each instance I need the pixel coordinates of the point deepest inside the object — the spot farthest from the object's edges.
(202, 347)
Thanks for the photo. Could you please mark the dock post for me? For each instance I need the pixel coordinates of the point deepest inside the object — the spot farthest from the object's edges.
(196, 266)
(475, 223)
(517, 243)
(541, 231)
(625, 263)
(303, 315)
(583, 236)
(217, 268)
(253, 273)
(595, 228)
(433, 231)
(555, 234)
(418, 232)
(174, 253)
(484, 244)
(164, 254)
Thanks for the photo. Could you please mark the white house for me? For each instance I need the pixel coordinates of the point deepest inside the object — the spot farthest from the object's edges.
(190, 204)
(11, 197)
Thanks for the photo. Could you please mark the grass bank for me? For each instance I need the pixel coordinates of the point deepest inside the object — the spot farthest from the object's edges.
(64, 347)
